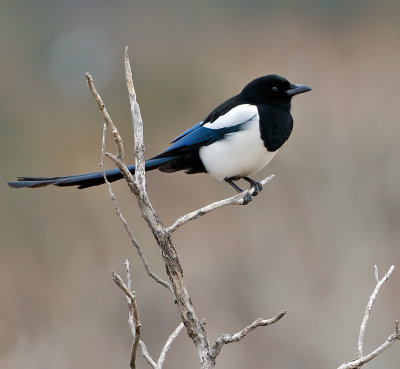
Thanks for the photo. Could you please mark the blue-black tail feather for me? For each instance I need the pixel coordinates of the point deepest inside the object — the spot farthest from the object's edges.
(84, 180)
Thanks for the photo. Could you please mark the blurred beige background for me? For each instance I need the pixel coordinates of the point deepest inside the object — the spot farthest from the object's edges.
(307, 244)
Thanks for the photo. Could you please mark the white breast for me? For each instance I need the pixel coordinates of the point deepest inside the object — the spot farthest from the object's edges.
(239, 154)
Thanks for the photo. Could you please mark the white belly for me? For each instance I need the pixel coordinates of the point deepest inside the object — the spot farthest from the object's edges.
(239, 154)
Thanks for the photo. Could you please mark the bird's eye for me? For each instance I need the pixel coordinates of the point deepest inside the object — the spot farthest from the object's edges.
(274, 89)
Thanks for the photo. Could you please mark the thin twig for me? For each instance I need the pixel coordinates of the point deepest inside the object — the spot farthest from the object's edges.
(357, 363)
(118, 212)
(117, 159)
(137, 125)
(137, 245)
(135, 324)
(168, 344)
(369, 307)
(234, 200)
(140, 343)
(135, 313)
(146, 354)
(362, 359)
(107, 118)
(121, 284)
(128, 274)
(224, 339)
(131, 321)
(138, 326)
(133, 317)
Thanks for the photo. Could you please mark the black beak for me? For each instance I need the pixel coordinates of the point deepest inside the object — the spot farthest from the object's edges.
(297, 89)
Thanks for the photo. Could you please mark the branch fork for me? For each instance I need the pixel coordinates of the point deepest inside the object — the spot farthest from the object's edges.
(224, 339)
(135, 324)
(361, 358)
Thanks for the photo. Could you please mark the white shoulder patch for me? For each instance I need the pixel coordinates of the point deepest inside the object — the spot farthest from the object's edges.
(238, 115)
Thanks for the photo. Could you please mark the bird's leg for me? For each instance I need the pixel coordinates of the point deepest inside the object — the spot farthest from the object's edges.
(257, 185)
(246, 198)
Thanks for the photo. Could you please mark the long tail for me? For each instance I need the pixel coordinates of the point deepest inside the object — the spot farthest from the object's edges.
(83, 180)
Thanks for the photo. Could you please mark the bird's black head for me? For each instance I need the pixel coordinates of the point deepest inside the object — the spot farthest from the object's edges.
(272, 89)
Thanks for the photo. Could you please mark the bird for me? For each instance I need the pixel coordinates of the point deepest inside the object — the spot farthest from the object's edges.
(237, 139)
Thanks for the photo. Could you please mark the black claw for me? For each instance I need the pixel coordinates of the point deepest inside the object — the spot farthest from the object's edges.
(247, 198)
(257, 188)
(256, 185)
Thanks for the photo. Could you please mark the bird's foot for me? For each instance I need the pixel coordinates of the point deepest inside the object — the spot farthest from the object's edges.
(247, 198)
(254, 184)
(257, 188)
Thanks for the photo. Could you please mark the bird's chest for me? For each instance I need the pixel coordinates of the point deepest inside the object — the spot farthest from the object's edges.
(275, 127)
(239, 154)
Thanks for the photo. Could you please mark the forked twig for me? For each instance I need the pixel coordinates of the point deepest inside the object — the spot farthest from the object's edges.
(133, 314)
(369, 308)
(146, 354)
(117, 159)
(224, 339)
(362, 359)
(168, 344)
(135, 324)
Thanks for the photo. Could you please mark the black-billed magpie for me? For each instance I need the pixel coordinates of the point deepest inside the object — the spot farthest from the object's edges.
(237, 139)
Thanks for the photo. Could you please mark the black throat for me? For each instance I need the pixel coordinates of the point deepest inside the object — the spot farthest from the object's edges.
(276, 124)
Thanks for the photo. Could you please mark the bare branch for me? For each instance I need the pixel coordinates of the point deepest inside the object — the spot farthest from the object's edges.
(362, 359)
(146, 354)
(174, 270)
(117, 211)
(135, 324)
(133, 320)
(234, 200)
(137, 126)
(168, 344)
(117, 159)
(121, 284)
(133, 317)
(163, 238)
(107, 118)
(369, 307)
(128, 273)
(224, 339)
(134, 311)
(128, 301)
